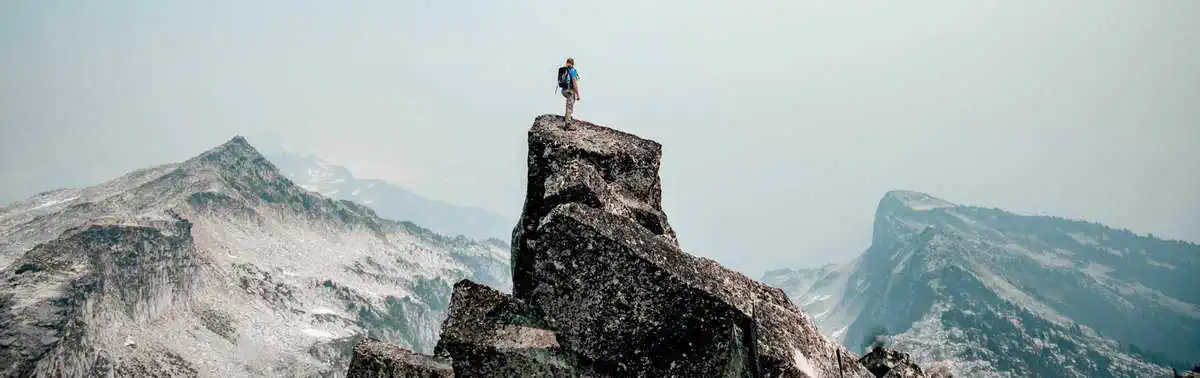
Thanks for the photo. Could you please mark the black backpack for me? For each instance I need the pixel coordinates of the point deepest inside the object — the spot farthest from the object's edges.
(564, 78)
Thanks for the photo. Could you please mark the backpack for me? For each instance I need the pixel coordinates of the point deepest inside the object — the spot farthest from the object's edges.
(564, 78)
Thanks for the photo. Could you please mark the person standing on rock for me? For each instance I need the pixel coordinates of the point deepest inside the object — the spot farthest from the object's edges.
(568, 84)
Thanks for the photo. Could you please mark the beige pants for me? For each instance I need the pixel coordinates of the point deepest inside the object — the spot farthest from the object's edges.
(570, 95)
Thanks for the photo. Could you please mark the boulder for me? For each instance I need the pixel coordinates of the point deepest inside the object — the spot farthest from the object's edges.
(489, 333)
(891, 364)
(602, 288)
(594, 253)
(373, 359)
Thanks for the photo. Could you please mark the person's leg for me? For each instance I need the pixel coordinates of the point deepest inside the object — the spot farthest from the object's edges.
(570, 95)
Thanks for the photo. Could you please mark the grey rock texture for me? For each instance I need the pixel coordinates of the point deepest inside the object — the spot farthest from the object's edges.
(1193, 373)
(373, 359)
(891, 364)
(601, 168)
(601, 287)
(488, 333)
(995, 294)
(218, 266)
(594, 252)
(135, 271)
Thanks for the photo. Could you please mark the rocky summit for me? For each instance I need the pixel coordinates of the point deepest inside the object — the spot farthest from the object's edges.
(601, 287)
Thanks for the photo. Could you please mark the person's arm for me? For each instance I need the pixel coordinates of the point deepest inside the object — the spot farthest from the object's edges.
(575, 82)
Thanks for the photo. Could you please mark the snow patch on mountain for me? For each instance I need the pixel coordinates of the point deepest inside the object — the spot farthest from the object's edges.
(323, 311)
(816, 298)
(311, 332)
(54, 202)
(917, 201)
(1160, 264)
(931, 341)
(802, 363)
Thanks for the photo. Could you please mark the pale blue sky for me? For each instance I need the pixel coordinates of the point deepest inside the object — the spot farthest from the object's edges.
(783, 121)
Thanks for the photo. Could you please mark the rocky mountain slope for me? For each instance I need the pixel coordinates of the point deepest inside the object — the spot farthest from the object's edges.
(391, 201)
(601, 288)
(217, 266)
(999, 294)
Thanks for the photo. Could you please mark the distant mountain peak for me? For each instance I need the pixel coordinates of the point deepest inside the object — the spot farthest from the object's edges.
(314, 174)
(908, 200)
(238, 146)
(224, 246)
(995, 293)
(233, 159)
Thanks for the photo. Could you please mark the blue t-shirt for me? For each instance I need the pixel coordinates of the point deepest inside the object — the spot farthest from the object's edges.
(571, 71)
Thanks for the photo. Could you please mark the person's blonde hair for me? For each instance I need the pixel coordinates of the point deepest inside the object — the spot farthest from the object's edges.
(570, 61)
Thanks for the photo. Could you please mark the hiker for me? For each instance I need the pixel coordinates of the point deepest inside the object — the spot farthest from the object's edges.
(568, 83)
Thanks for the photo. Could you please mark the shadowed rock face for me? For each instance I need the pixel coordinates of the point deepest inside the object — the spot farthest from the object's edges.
(1194, 373)
(488, 333)
(594, 252)
(591, 165)
(132, 270)
(891, 364)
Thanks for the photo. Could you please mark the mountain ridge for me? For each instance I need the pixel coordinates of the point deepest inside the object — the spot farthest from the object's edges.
(217, 265)
(1080, 288)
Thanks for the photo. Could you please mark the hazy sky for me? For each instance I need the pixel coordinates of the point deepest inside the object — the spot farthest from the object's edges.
(783, 122)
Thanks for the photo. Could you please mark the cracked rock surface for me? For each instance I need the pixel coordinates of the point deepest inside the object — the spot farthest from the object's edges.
(601, 287)
(489, 333)
(373, 359)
